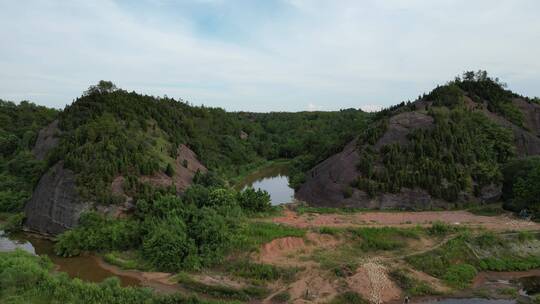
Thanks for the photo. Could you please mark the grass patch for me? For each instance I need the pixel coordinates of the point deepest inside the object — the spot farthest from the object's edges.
(441, 229)
(126, 260)
(340, 261)
(348, 297)
(259, 273)
(386, 238)
(331, 230)
(509, 292)
(460, 275)
(410, 285)
(487, 210)
(437, 262)
(254, 234)
(282, 297)
(220, 291)
(488, 240)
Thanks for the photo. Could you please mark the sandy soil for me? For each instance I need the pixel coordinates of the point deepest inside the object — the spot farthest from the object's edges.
(372, 282)
(288, 251)
(405, 219)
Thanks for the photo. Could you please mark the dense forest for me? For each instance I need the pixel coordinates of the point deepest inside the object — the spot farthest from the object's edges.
(19, 170)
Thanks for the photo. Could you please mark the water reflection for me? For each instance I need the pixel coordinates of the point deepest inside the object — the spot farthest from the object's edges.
(274, 180)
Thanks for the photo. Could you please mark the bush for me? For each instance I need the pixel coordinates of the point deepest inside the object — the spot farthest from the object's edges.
(98, 233)
(168, 247)
(211, 235)
(460, 275)
(14, 223)
(411, 285)
(254, 200)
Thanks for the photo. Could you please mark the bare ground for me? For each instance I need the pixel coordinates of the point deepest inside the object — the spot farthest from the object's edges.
(405, 219)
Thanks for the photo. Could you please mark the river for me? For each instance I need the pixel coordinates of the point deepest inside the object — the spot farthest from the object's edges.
(85, 267)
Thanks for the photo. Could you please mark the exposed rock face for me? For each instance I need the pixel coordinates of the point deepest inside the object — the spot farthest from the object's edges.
(55, 205)
(328, 183)
(399, 126)
(325, 184)
(185, 166)
(46, 140)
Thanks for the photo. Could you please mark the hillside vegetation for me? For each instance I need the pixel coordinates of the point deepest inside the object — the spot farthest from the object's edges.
(109, 132)
(19, 170)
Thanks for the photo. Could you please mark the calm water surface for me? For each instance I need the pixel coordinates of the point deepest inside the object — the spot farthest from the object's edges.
(85, 267)
(275, 181)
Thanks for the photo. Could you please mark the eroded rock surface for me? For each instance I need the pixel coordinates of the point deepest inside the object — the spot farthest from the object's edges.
(55, 205)
(46, 141)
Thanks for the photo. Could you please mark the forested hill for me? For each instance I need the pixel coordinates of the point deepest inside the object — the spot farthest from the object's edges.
(111, 146)
(448, 148)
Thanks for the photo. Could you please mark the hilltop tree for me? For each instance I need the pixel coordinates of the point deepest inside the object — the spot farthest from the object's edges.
(101, 87)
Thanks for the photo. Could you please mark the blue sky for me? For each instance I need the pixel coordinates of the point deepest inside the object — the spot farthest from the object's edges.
(263, 55)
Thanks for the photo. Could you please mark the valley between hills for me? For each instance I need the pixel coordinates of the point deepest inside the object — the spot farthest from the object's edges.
(128, 198)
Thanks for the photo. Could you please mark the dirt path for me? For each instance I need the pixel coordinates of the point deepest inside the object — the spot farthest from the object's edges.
(404, 219)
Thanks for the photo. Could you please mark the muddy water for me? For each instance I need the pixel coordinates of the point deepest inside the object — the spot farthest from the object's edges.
(274, 180)
(86, 267)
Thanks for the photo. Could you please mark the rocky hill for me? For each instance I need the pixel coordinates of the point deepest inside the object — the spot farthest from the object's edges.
(445, 149)
(111, 148)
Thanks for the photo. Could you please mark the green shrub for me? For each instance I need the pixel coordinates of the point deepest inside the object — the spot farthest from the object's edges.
(411, 285)
(254, 200)
(97, 233)
(14, 223)
(460, 275)
(168, 247)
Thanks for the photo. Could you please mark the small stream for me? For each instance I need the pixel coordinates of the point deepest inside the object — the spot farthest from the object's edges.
(84, 267)
(274, 180)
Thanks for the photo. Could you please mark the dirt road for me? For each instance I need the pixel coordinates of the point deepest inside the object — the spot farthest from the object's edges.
(405, 219)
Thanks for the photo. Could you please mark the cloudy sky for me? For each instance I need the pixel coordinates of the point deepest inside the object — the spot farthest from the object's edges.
(263, 55)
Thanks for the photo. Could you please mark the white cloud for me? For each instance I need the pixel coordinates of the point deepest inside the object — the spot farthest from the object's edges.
(336, 54)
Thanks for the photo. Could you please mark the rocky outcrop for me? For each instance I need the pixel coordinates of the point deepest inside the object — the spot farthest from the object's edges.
(46, 141)
(185, 166)
(400, 125)
(328, 185)
(55, 205)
